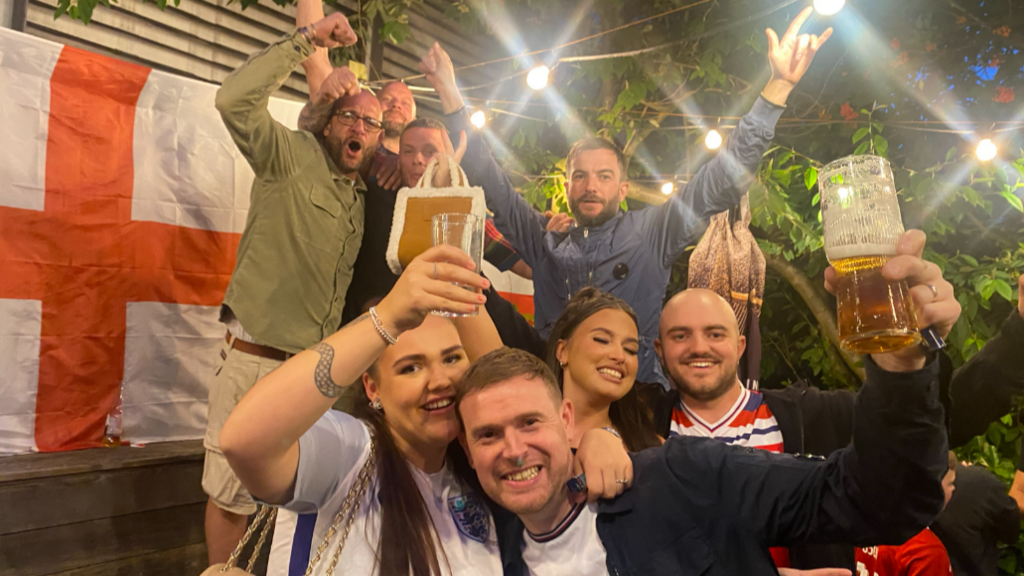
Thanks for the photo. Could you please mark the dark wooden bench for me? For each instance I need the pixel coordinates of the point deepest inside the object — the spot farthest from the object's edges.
(106, 511)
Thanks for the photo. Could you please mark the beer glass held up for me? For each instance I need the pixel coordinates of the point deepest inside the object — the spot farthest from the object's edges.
(464, 231)
(862, 224)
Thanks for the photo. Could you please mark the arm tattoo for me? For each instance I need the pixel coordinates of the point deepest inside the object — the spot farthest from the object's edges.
(322, 374)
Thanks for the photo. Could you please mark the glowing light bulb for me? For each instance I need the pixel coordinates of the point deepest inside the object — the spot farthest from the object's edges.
(713, 140)
(829, 7)
(478, 119)
(668, 188)
(987, 150)
(538, 77)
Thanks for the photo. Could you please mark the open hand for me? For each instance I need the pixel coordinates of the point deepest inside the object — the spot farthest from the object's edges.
(426, 285)
(334, 31)
(791, 55)
(443, 176)
(342, 82)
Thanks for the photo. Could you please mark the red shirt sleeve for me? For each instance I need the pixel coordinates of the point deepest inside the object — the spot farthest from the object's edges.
(924, 555)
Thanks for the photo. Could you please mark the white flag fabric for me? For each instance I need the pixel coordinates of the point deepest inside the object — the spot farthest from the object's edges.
(122, 201)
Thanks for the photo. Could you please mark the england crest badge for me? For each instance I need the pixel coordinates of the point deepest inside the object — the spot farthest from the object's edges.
(471, 516)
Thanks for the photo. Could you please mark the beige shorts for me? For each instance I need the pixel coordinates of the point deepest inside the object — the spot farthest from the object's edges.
(235, 376)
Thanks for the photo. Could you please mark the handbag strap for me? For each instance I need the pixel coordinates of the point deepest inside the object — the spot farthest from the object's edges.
(264, 512)
(348, 509)
(426, 181)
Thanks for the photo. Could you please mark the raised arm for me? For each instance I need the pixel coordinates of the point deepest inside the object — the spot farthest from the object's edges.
(722, 181)
(318, 65)
(886, 486)
(478, 334)
(261, 437)
(521, 224)
(243, 97)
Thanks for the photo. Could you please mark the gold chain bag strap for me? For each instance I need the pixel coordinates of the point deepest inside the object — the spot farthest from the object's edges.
(230, 568)
(347, 513)
(348, 509)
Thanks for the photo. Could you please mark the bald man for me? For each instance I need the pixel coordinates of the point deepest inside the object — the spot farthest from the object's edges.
(295, 258)
(699, 346)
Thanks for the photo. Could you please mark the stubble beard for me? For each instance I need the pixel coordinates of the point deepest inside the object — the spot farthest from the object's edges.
(704, 394)
(607, 213)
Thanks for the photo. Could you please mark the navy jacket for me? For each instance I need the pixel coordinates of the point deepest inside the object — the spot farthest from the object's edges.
(631, 255)
(699, 506)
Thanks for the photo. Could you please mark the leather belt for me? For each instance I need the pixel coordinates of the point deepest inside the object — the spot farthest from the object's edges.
(257, 349)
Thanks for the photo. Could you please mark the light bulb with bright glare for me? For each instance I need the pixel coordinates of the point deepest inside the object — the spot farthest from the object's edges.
(987, 150)
(829, 7)
(668, 188)
(538, 77)
(478, 119)
(713, 140)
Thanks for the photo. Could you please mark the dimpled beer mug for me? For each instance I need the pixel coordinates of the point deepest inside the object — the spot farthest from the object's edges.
(861, 218)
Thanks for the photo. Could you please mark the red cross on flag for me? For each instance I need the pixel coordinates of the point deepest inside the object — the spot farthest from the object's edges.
(122, 201)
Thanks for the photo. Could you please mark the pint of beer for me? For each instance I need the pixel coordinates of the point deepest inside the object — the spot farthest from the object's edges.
(862, 222)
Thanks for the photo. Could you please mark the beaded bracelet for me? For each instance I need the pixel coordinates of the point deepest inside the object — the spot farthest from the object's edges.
(379, 325)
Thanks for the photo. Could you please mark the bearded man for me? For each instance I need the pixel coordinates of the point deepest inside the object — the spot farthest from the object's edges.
(628, 254)
(301, 237)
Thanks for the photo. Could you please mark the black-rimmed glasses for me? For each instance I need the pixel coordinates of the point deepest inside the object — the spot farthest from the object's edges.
(349, 118)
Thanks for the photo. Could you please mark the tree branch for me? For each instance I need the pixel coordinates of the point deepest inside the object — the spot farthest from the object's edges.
(821, 311)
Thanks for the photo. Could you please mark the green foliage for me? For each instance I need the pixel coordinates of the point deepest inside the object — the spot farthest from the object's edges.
(852, 102)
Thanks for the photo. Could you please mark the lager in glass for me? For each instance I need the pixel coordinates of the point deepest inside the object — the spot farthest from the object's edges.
(862, 224)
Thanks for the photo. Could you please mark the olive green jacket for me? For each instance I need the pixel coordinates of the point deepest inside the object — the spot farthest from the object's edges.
(305, 221)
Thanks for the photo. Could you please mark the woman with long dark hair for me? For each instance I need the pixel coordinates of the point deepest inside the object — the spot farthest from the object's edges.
(592, 350)
(415, 516)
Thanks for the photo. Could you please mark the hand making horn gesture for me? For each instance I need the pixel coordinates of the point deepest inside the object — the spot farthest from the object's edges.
(791, 55)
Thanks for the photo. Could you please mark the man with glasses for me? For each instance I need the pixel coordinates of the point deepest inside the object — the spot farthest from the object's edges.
(302, 234)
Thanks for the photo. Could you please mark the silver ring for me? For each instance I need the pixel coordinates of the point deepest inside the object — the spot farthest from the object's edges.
(435, 273)
(935, 291)
(622, 481)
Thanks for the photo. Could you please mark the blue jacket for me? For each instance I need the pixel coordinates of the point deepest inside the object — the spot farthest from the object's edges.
(699, 506)
(646, 241)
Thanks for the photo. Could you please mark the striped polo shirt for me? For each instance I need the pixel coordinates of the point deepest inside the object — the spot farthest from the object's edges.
(748, 423)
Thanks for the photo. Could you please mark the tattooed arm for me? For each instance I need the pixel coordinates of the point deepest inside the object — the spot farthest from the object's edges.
(261, 437)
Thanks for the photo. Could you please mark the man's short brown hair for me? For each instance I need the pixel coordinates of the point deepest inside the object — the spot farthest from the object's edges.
(595, 143)
(429, 123)
(502, 365)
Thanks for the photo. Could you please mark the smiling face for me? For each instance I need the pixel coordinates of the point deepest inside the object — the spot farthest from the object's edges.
(352, 145)
(596, 186)
(600, 357)
(415, 381)
(416, 149)
(699, 344)
(517, 437)
(399, 108)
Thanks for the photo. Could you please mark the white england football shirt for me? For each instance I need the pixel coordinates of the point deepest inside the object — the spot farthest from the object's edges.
(573, 548)
(331, 454)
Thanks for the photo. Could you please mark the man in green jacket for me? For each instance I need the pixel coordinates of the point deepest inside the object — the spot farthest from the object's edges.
(302, 234)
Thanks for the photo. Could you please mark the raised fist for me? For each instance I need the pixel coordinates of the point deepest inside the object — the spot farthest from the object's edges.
(334, 31)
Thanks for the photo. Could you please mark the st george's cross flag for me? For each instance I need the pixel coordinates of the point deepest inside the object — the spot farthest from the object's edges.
(122, 201)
